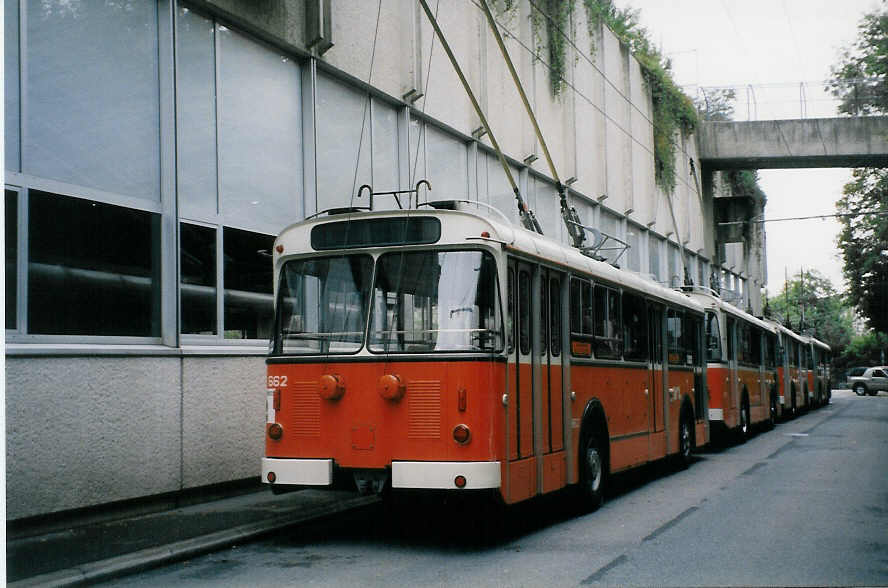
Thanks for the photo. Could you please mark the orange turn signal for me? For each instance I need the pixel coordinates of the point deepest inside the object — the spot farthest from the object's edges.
(391, 387)
(271, 477)
(331, 387)
(460, 481)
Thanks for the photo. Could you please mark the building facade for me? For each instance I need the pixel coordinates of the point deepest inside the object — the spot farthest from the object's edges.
(154, 148)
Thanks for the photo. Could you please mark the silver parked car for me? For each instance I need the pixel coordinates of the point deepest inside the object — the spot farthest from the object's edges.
(871, 381)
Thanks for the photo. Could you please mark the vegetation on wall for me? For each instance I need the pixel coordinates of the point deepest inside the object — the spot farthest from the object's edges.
(672, 110)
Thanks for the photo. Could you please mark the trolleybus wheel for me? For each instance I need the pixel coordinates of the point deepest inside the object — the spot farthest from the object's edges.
(685, 441)
(744, 420)
(593, 473)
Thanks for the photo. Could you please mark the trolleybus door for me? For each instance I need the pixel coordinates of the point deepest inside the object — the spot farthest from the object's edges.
(550, 430)
(733, 388)
(521, 477)
(657, 376)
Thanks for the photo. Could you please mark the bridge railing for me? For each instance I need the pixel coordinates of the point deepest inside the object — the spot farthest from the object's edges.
(793, 100)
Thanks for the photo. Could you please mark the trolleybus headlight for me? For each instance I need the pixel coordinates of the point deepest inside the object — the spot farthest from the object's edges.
(391, 387)
(460, 481)
(275, 431)
(331, 387)
(461, 434)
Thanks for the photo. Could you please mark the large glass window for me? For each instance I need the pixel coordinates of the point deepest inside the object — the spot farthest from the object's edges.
(437, 301)
(196, 114)
(323, 305)
(11, 83)
(92, 95)
(11, 243)
(93, 268)
(260, 132)
(635, 328)
(197, 263)
(248, 279)
(608, 334)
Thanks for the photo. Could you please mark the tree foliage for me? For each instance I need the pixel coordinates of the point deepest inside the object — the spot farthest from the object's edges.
(863, 350)
(716, 105)
(863, 241)
(860, 78)
(809, 303)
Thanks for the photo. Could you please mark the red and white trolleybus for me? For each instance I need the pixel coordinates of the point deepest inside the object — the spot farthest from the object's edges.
(437, 348)
(740, 366)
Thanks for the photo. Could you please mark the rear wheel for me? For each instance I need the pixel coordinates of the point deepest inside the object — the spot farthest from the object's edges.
(744, 420)
(593, 473)
(859, 389)
(685, 441)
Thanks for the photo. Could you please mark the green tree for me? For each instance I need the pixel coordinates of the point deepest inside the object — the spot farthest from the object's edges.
(716, 105)
(863, 241)
(809, 303)
(864, 350)
(860, 78)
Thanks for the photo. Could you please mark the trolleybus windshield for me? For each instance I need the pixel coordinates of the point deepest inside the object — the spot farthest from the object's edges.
(323, 305)
(433, 301)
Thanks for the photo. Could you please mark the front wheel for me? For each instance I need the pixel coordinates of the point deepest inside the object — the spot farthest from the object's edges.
(859, 389)
(593, 472)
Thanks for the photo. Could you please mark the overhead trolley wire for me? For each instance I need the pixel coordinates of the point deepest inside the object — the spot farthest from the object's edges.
(584, 96)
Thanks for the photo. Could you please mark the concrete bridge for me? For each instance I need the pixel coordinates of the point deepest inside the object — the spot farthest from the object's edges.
(815, 142)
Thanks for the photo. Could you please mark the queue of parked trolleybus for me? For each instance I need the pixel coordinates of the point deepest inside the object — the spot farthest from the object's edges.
(441, 349)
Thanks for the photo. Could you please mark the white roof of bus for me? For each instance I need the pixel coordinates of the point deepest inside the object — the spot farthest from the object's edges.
(784, 330)
(463, 223)
(711, 301)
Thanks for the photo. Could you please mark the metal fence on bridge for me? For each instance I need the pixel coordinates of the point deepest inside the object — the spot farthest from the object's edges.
(792, 100)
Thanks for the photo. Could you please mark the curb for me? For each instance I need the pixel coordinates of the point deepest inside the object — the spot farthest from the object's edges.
(143, 559)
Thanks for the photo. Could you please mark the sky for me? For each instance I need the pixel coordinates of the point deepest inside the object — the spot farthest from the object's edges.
(784, 49)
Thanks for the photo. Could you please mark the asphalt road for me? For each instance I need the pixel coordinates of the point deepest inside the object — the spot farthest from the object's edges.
(804, 504)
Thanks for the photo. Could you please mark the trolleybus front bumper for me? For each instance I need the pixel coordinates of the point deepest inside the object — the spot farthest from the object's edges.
(423, 475)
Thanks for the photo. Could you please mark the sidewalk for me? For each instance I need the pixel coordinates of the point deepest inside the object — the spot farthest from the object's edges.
(99, 550)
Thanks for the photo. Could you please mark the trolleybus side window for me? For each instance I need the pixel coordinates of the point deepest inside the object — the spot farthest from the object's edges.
(544, 314)
(713, 338)
(510, 315)
(770, 350)
(690, 339)
(555, 316)
(674, 337)
(524, 312)
(635, 328)
(608, 334)
(756, 345)
(580, 317)
(427, 301)
(732, 331)
(323, 304)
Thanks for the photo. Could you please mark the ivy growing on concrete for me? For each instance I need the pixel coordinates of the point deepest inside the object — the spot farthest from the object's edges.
(673, 111)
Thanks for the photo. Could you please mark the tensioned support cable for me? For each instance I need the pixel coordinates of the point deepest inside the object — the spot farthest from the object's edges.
(528, 219)
(569, 214)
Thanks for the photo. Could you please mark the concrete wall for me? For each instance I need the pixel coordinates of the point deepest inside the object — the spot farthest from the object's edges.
(83, 431)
